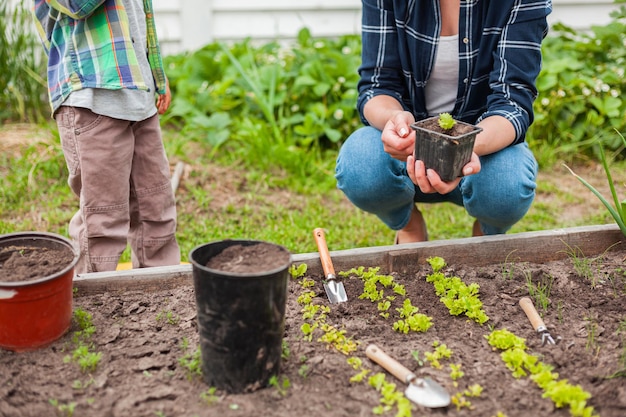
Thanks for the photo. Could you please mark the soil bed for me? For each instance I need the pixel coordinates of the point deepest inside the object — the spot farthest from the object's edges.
(143, 335)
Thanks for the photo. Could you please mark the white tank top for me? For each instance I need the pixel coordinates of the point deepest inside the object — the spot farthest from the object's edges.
(441, 88)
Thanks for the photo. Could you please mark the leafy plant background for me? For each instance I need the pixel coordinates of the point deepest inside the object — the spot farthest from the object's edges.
(277, 114)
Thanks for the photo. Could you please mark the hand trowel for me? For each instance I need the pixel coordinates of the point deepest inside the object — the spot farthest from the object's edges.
(422, 391)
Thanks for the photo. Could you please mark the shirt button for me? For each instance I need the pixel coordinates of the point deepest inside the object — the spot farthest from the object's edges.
(465, 41)
(465, 81)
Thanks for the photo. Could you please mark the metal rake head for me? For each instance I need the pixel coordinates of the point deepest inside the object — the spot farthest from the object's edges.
(546, 338)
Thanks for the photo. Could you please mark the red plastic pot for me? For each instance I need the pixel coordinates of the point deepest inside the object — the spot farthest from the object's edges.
(35, 313)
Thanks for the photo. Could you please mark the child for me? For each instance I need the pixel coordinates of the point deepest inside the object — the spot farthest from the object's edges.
(104, 72)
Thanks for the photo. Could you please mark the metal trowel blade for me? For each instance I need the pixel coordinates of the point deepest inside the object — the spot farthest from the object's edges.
(335, 291)
(428, 393)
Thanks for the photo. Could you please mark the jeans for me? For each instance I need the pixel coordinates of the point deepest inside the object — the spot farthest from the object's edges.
(498, 196)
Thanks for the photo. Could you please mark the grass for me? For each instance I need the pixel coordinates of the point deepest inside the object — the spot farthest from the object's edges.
(226, 196)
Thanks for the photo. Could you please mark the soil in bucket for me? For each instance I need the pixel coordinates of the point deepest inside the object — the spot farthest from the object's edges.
(36, 275)
(241, 294)
(27, 262)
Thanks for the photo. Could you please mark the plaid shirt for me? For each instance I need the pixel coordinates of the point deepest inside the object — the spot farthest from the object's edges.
(89, 45)
(499, 56)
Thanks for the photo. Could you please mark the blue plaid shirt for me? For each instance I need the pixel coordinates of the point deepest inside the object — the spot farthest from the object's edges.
(499, 56)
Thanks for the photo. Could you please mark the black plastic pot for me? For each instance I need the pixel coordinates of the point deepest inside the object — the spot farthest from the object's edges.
(241, 319)
(444, 153)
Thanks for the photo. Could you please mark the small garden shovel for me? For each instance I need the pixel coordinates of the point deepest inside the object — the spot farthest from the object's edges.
(423, 391)
(334, 290)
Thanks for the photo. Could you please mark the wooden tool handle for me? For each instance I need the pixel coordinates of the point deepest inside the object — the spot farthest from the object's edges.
(391, 365)
(531, 312)
(327, 264)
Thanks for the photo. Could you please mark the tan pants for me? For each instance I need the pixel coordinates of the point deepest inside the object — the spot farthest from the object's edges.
(120, 173)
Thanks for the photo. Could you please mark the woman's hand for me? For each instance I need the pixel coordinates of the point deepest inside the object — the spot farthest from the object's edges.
(398, 137)
(430, 182)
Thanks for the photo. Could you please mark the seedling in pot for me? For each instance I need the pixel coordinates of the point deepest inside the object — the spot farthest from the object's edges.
(444, 144)
(446, 121)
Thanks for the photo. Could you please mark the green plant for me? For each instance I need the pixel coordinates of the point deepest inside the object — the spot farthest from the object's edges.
(508, 267)
(86, 359)
(591, 326)
(192, 362)
(390, 397)
(455, 294)
(446, 121)
(441, 352)
(66, 410)
(540, 292)
(618, 210)
(521, 363)
(580, 88)
(282, 385)
(285, 352)
(455, 371)
(411, 319)
(168, 317)
(297, 271)
(23, 97)
(460, 398)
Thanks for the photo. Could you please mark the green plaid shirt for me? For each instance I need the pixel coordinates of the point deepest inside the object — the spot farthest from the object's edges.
(89, 45)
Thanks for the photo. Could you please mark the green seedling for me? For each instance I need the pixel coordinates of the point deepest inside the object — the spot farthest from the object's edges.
(455, 294)
(282, 385)
(66, 410)
(411, 320)
(540, 292)
(297, 271)
(460, 401)
(357, 364)
(591, 325)
(618, 210)
(508, 268)
(456, 372)
(522, 363)
(286, 352)
(446, 121)
(168, 317)
(460, 398)
(87, 361)
(374, 286)
(416, 356)
(337, 339)
(209, 396)
(192, 362)
(304, 370)
(441, 352)
(390, 397)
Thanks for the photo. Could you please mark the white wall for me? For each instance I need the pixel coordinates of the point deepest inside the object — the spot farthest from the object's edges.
(190, 24)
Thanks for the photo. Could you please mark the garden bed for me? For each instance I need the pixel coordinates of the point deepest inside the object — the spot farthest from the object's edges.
(146, 333)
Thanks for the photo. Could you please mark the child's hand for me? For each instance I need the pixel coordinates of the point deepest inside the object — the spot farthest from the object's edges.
(164, 100)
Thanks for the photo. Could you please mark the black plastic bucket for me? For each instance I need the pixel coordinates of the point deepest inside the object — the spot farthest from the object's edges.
(241, 319)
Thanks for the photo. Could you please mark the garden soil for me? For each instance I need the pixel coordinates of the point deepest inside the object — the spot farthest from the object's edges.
(145, 338)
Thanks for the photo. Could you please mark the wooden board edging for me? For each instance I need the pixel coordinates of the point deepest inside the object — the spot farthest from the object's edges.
(538, 247)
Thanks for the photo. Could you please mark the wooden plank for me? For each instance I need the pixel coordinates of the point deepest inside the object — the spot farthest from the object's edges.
(539, 247)
(143, 279)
